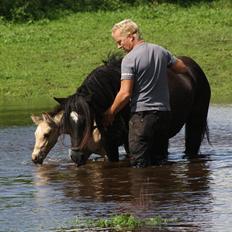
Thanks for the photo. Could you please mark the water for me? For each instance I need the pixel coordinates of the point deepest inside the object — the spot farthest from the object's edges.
(196, 194)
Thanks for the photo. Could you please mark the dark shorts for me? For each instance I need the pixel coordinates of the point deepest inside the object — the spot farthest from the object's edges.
(148, 137)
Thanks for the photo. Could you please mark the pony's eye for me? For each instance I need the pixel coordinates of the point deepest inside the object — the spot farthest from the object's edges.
(46, 135)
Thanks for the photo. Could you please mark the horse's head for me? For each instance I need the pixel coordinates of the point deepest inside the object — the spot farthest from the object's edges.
(78, 121)
(46, 135)
(80, 152)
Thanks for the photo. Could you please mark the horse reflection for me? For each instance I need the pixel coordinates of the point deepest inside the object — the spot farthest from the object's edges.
(175, 185)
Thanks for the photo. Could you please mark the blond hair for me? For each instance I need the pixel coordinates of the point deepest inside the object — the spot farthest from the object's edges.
(127, 27)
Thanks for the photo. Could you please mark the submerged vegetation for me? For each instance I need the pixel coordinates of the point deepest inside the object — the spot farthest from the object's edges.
(51, 57)
(122, 222)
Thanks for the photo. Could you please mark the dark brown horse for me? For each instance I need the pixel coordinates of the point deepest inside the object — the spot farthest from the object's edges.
(189, 96)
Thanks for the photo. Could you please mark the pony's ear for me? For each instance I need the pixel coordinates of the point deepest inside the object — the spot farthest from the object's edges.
(36, 119)
(46, 117)
(61, 101)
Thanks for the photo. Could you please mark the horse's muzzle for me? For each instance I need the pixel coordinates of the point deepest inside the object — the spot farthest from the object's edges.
(77, 156)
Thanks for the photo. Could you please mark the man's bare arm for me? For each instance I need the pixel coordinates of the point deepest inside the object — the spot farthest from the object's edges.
(121, 99)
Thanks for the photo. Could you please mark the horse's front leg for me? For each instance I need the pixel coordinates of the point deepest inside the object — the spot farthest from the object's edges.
(113, 154)
(110, 146)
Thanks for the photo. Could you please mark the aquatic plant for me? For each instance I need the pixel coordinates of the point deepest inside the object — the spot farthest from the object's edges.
(121, 222)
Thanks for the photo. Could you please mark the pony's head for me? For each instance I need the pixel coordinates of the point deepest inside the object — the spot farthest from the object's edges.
(46, 135)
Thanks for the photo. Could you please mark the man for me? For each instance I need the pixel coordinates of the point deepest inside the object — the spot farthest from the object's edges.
(144, 83)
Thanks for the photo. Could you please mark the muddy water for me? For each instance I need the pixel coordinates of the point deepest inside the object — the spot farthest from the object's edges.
(196, 194)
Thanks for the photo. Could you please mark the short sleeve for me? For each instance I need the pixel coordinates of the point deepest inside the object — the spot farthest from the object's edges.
(127, 69)
(170, 58)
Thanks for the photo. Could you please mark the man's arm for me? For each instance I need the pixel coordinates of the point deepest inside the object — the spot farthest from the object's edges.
(121, 99)
(179, 67)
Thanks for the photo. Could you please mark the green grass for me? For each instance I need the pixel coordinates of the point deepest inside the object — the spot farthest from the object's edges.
(121, 222)
(51, 58)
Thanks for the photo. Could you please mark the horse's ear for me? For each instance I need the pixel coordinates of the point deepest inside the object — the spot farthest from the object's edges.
(36, 119)
(46, 117)
(61, 101)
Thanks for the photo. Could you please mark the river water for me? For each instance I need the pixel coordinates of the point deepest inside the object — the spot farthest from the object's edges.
(196, 194)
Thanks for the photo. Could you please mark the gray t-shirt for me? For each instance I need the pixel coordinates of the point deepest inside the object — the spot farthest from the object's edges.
(147, 65)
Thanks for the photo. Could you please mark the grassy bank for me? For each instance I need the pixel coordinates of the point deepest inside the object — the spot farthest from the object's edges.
(51, 58)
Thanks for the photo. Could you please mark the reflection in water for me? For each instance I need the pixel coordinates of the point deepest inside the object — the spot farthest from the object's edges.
(176, 190)
(197, 193)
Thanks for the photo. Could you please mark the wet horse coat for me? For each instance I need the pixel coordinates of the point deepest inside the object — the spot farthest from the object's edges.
(189, 98)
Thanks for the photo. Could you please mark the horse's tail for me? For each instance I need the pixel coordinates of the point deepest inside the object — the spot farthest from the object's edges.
(196, 126)
(79, 105)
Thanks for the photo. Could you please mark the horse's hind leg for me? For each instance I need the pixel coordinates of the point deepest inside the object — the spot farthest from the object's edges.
(195, 129)
(196, 125)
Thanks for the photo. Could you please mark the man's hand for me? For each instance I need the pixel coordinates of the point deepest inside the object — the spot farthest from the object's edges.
(108, 118)
(121, 99)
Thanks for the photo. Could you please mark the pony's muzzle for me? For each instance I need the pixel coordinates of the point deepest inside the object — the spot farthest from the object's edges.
(77, 156)
(37, 159)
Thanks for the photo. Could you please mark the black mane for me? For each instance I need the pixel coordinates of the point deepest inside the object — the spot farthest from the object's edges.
(113, 60)
(95, 95)
(101, 85)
